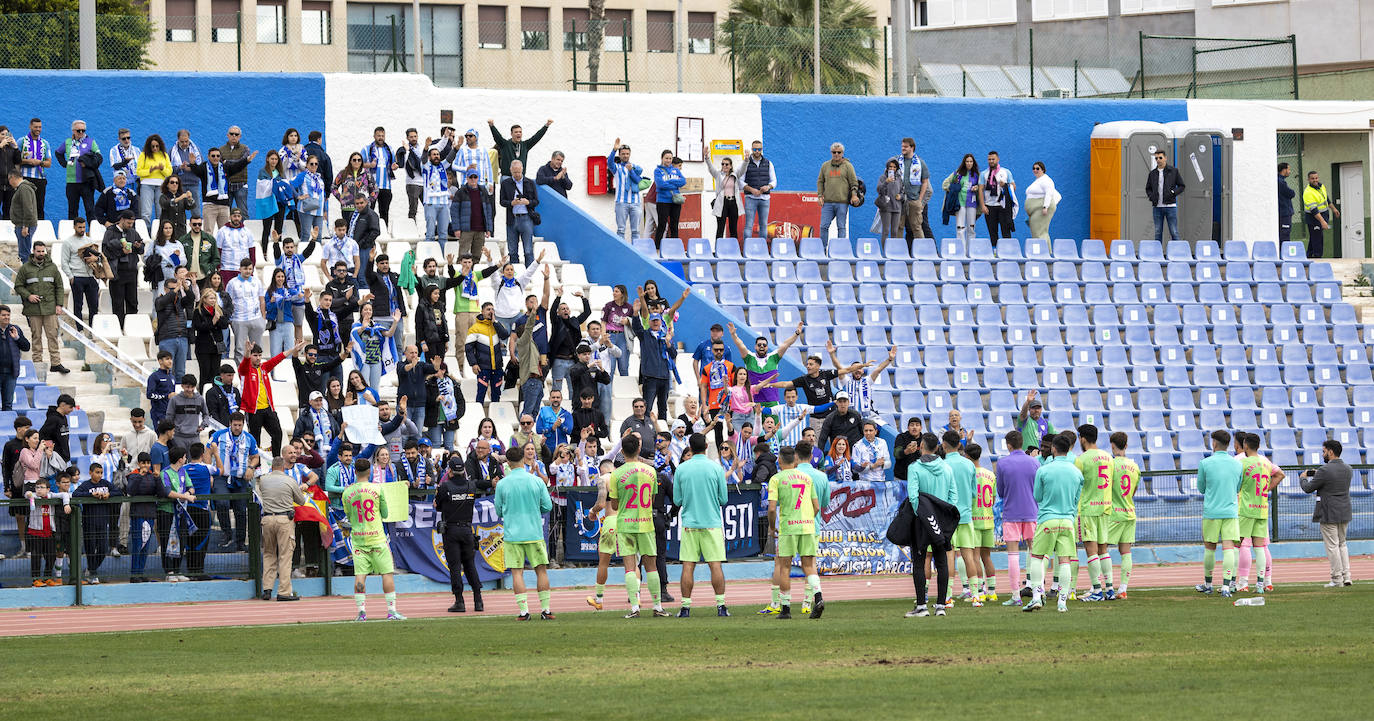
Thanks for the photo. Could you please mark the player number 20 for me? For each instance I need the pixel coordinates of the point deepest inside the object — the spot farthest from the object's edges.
(639, 498)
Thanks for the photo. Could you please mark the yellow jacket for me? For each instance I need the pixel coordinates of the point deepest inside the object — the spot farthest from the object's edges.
(146, 161)
(1315, 200)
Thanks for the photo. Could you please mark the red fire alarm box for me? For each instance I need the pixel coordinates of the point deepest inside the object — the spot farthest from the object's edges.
(596, 175)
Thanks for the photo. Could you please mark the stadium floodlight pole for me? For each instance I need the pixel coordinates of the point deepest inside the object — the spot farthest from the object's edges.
(86, 30)
(415, 33)
(816, 46)
(899, 35)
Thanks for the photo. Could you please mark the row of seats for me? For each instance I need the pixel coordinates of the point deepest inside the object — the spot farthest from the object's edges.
(1004, 272)
(821, 293)
(811, 248)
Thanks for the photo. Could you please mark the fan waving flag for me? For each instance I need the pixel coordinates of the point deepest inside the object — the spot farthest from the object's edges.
(316, 510)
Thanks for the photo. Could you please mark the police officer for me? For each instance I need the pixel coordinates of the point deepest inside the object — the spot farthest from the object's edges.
(454, 500)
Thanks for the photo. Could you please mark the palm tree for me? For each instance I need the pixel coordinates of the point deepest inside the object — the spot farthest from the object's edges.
(770, 44)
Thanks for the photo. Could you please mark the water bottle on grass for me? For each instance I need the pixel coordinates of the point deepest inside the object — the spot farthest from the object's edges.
(1255, 601)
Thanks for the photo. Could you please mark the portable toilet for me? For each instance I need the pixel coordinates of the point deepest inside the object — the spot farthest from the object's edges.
(1203, 158)
(1122, 153)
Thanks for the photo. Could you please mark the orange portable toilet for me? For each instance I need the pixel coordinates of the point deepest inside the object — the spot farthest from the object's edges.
(596, 175)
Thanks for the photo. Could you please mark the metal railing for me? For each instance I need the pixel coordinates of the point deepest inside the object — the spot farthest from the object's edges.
(104, 348)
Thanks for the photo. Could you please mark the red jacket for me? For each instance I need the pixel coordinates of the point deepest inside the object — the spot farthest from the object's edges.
(249, 404)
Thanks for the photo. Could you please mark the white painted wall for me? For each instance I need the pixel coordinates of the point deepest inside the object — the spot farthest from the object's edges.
(584, 123)
(1254, 215)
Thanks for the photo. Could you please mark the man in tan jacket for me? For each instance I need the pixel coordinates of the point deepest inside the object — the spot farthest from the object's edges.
(280, 495)
(838, 186)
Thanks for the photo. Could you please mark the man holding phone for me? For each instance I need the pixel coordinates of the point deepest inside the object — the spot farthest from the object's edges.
(1331, 483)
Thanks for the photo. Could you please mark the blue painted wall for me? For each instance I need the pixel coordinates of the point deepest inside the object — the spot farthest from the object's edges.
(263, 105)
(798, 131)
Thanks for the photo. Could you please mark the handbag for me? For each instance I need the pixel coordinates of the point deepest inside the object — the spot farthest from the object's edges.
(679, 198)
(534, 217)
(512, 378)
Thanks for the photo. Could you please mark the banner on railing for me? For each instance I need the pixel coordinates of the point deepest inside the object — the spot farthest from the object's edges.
(852, 530)
(740, 516)
(418, 547)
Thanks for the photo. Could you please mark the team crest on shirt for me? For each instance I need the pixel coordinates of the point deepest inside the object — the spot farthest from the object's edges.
(491, 544)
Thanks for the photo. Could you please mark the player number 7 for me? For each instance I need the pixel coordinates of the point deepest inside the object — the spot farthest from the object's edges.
(801, 493)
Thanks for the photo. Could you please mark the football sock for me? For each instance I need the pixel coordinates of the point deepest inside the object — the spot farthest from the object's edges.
(1243, 569)
(1072, 581)
(686, 601)
(720, 599)
(1209, 562)
(777, 596)
(655, 590)
(360, 600)
(1268, 565)
(1228, 564)
(1069, 585)
(1127, 562)
(600, 591)
(391, 601)
(785, 598)
(1094, 570)
(632, 588)
(962, 571)
(1014, 567)
(1037, 576)
(522, 602)
(543, 601)
(1105, 562)
(813, 587)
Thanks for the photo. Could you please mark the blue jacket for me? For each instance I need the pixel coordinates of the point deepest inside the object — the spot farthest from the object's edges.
(281, 301)
(555, 426)
(1286, 194)
(461, 215)
(161, 386)
(654, 354)
(667, 180)
(11, 349)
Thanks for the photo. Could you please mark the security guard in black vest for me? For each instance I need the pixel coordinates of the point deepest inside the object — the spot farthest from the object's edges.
(454, 500)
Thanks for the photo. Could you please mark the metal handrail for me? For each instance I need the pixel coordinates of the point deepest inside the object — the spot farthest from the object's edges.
(112, 355)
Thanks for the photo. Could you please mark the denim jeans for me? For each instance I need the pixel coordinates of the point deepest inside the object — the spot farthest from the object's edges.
(309, 221)
(631, 213)
(440, 438)
(239, 196)
(364, 257)
(557, 374)
(531, 395)
(621, 364)
(656, 390)
(24, 238)
(148, 203)
(372, 373)
(603, 399)
(282, 337)
(755, 206)
(239, 509)
(416, 416)
(521, 232)
(1162, 215)
(436, 222)
(7, 384)
(839, 212)
(180, 348)
(142, 540)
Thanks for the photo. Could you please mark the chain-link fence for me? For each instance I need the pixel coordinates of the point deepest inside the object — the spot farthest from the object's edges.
(51, 41)
(1195, 67)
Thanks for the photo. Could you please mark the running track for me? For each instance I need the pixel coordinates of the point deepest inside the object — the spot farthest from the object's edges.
(743, 597)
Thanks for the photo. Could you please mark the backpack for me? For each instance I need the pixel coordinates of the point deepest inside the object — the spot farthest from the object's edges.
(861, 192)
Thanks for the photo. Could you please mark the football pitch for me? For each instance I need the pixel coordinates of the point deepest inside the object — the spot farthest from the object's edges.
(1164, 653)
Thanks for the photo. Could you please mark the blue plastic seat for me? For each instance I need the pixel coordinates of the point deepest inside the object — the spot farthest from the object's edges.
(1064, 271)
(1094, 272)
(980, 271)
(896, 249)
(1293, 250)
(1124, 294)
(758, 294)
(1151, 250)
(809, 248)
(1008, 272)
(702, 248)
(1178, 272)
(951, 293)
(952, 249)
(759, 316)
(1320, 271)
(1152, 293)
(868, 249)
(1207, 250)
(673, 249)
(1207, 272)
(1036, 272)
(1010, 250)
(871, 294)
(645, 246)
(729, 249)
(808, 271)
(1093, 249)
(1037, 249)
(1292, 272)
(756, 249)
(756, 271)
(867, 271)
(787, 294)
(1179, 250)
(842, 294)
(731, 294)
(952, 272)
(1182, 293)
(1123, 250)
(700, 273)
(728, 272)
(1065, 249)
(923, 271)
(924, 293)
(1327, 292)
(896, 271)
(980, 249)
(1211, 293)
(924, 249)
(1265, 251)
(841, 272)
(1237, 250)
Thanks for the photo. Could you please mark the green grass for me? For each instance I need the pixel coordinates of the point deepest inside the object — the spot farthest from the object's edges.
(1161, 654)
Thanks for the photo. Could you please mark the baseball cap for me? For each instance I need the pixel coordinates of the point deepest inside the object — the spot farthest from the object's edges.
(316, 394)
(842, 395)
(1036, 404)
(472, 174)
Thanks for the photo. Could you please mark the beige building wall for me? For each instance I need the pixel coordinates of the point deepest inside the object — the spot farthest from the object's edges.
(508, 67)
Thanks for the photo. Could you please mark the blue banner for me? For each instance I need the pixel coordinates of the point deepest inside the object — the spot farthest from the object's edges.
(418, 547)
(740, 515)
(852, 530)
